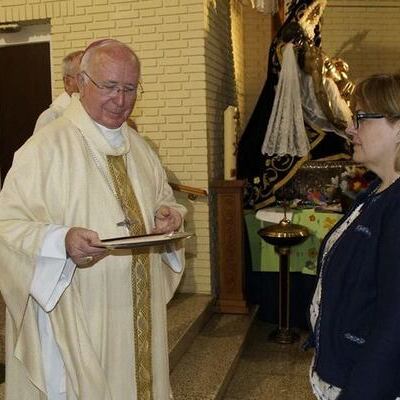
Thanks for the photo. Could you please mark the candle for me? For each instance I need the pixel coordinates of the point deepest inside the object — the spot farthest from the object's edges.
(230, 133)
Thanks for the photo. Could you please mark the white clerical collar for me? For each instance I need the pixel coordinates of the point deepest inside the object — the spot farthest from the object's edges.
(113, 136)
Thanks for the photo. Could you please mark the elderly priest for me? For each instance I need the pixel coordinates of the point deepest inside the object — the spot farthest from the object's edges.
(83, 322)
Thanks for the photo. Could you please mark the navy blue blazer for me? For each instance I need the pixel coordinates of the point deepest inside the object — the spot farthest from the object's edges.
(357, 335)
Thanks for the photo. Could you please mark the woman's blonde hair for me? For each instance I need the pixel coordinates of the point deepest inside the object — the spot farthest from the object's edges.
(379, 94)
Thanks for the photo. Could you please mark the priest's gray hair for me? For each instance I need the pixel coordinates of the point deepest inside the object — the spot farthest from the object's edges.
(103, 43)
(69, 67)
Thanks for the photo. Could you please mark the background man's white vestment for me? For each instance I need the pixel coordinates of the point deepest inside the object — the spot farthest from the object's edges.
(55, 110)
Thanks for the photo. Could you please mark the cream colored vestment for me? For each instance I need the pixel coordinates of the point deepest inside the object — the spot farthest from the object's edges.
(55, 180)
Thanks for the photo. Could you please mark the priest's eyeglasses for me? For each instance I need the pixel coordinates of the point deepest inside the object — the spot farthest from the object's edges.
(360, 115)
(111, 89)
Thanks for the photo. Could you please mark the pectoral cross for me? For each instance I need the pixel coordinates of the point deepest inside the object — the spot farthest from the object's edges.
(126, 222)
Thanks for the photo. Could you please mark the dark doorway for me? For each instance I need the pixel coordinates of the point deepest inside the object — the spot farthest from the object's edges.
(25, 91)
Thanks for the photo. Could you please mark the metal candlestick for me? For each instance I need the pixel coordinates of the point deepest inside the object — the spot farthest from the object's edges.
(283, 236)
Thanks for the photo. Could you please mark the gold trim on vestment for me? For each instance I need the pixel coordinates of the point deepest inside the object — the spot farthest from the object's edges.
(140, 278)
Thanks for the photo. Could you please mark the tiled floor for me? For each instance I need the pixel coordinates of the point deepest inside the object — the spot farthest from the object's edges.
(266, 371)
(270, 371)
(2, 329)
(2, 333)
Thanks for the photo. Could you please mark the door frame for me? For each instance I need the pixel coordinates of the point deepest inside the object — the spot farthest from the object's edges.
(30, 33)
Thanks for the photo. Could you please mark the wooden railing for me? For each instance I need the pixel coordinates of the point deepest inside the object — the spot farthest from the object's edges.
(192, 192)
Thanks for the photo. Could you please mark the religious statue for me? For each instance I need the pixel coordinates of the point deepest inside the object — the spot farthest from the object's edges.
(302, 111)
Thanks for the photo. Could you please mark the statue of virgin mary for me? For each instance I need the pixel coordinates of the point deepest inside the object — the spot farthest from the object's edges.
(302, 111)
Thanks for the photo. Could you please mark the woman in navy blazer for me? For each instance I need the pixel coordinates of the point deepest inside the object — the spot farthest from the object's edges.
(355, 313)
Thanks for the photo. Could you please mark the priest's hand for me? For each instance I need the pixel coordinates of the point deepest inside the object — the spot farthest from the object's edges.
(167, 220)
(80, 244)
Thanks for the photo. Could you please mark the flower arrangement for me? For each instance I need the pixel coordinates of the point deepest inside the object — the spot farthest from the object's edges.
(351, 181)
(331, 186)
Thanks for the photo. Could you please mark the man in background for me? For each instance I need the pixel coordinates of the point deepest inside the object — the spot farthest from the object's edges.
(70, 70)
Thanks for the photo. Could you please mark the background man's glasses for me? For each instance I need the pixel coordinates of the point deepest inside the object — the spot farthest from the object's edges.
(111, 89)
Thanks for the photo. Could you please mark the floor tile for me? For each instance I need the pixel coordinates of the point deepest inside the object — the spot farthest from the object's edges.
(271, 371)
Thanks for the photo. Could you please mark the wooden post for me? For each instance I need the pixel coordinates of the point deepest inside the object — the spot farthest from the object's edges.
(230, 247)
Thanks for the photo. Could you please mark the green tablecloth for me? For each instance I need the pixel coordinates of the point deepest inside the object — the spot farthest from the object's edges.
(303, 257)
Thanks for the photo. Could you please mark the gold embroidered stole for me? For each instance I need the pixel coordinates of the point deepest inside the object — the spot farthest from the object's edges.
(140, 277)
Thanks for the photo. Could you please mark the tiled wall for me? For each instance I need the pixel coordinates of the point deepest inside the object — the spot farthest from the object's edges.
(220, 78)
(257, 35)
(365, 33)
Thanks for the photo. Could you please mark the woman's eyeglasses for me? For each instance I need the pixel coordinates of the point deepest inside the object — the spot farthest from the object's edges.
(360, 115)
